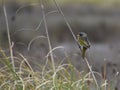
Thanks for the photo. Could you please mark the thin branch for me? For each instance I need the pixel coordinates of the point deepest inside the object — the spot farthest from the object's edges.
(91, 72)
(49, 43)
(9, 40)
(67, 23)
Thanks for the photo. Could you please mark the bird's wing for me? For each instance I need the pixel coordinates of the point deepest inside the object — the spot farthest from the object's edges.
(84, 43)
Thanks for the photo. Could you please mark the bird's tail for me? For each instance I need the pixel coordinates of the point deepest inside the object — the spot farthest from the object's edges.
(84, 52)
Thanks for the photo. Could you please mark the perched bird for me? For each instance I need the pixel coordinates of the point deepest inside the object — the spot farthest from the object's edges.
(83, 43)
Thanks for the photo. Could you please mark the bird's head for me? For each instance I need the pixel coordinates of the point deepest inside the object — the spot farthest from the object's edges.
(82, 34)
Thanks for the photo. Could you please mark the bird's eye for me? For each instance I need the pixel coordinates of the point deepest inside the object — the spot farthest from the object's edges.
(81, 34)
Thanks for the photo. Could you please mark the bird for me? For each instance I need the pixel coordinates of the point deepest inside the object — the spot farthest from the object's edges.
(83, 43)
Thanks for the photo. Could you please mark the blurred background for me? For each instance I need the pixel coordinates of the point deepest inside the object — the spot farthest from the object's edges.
(100, 19)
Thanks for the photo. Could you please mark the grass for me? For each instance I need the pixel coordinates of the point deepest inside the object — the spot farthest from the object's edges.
(64, 78)
(16, 73)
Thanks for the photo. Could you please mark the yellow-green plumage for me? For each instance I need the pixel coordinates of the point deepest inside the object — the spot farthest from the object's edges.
(83, 42)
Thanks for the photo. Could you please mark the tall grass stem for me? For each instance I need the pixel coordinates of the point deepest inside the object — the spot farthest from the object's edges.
(47, 34)
(9, 39)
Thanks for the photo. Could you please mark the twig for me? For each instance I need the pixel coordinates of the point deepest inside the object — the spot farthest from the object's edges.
(46, 28)
(58, 7)
(9, 40)
(91, 72)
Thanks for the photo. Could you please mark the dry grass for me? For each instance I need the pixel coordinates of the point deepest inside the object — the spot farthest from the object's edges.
(17, 74)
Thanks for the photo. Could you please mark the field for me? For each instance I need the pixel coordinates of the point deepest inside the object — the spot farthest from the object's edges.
(39, 50)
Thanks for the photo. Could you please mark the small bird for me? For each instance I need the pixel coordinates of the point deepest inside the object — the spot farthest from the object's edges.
(83, 43)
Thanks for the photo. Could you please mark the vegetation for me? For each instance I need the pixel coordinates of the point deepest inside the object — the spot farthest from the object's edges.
(17, 74)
